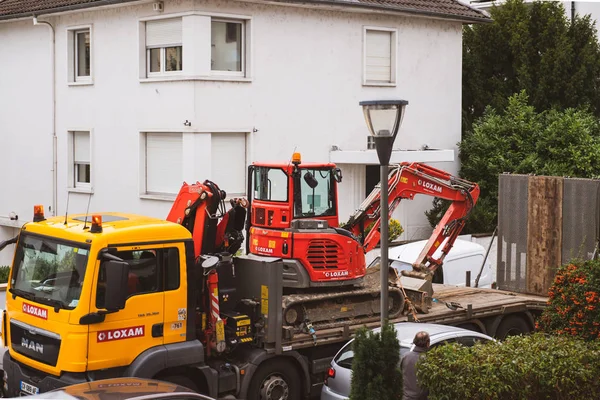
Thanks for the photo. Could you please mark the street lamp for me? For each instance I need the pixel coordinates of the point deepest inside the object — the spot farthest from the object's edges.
(384, 118)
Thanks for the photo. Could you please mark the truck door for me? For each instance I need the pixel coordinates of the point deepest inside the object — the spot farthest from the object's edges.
(123, 335)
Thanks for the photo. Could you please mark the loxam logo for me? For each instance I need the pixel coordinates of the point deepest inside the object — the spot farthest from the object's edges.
(119, 334)
(35, 311)
(430, 186)
(31, 345)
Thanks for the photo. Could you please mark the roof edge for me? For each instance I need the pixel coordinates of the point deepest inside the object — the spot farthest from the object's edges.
(348, 4)
(74, 7)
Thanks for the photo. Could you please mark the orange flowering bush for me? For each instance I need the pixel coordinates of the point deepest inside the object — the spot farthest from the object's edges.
(574, 301)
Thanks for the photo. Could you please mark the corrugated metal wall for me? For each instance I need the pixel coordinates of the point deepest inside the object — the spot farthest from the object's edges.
(542, 223)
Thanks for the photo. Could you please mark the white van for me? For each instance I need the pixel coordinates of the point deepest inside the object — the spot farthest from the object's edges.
(464, 256)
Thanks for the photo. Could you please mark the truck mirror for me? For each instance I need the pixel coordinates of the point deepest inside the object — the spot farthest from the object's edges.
(117, 273)
(310, 180)
(337, 175)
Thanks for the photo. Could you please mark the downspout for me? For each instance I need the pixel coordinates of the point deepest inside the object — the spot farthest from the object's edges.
(54, 141)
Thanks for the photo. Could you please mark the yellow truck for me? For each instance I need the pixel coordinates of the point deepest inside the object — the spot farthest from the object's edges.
(109, 295)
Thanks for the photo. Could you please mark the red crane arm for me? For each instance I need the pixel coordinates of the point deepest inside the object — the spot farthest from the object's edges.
(404, 182)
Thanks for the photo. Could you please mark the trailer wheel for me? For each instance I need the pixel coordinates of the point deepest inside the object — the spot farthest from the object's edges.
(512, 325)
(275, 380)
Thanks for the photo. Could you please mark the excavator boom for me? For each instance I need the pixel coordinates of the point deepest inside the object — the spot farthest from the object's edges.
(405, 181)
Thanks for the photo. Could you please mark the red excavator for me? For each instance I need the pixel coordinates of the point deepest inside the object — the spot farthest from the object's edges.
(293, 215)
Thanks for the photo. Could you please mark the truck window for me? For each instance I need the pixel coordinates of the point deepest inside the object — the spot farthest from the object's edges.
(150, 271)
(317, 201)
(270, 184)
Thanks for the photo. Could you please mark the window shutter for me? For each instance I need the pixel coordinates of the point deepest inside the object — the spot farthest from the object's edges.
(81, 147)
(379, 56)
(163, 33)
(229, 161)
(164, 165)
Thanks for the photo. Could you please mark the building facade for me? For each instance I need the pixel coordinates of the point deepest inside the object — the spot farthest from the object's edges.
(111, 105)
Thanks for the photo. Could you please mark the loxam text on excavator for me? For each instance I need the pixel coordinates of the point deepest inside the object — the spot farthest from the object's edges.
(115, 294)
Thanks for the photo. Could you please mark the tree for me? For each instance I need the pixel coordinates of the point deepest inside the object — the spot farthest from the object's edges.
(375, 366)
(532, 47)
(520, 140)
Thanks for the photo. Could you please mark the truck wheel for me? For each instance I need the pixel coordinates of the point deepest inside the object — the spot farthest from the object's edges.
(512, 325)
(275, 380)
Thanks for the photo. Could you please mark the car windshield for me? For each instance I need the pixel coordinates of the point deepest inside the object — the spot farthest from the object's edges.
(49, 271)
(314, 196)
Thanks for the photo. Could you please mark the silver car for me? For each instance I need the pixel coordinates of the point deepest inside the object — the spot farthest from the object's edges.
(337, 382)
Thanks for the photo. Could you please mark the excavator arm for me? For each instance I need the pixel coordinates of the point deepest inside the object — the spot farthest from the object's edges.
(405, 181)
(200, 208)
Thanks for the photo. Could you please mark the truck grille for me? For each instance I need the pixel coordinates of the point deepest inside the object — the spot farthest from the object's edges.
(325, 254)
(36, 343)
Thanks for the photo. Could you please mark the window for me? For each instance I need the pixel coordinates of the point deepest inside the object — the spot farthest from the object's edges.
(270, 184)
(164, 163)
(379, 56)
(316, 197)
(227, 46)
(81, 160)
(164, 49)
(79, 40)
(150, 271)
(228, 162)
(82, 55)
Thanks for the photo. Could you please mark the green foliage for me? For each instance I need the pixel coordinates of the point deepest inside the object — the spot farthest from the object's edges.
(574, 301)
(4, 273)
(523, 141)
(522, 367)
(532, 47)
(375, 366)
(394, 229)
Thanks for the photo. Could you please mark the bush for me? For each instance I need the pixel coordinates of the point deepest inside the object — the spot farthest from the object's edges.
(376, 365)
(4, 273)
(523, 141)
(574, 301)
(523, 367)
(394, 229)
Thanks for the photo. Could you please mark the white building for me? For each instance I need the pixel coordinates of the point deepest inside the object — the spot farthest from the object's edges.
(116, 103)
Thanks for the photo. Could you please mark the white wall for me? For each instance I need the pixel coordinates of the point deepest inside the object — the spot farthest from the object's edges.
(304, 93)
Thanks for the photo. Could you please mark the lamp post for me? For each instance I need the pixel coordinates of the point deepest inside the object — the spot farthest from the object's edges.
(384, 118)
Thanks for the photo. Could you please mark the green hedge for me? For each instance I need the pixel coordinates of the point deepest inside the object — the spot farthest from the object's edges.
(4, 272)
(535, 366)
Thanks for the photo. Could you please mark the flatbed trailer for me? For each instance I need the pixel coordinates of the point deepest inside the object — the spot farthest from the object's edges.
(493, 312)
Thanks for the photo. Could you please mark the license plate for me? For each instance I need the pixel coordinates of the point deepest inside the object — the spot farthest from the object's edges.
(30, 389)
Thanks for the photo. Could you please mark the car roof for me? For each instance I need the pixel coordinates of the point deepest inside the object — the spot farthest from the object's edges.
(409, 252)
(116, 388)
(406, 331)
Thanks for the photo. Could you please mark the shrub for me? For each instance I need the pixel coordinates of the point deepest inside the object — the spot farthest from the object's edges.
(4, 273)
(394, 229)
(375, 366)
(523, 367)
(574, 301)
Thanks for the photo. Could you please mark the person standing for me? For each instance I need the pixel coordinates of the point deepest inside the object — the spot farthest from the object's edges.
(410, 387)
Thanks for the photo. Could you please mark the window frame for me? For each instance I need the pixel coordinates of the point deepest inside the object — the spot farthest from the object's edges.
(243, 23)
(73, 172)
(163, 51)
(144, 158)
(393, 56)
(72, 52)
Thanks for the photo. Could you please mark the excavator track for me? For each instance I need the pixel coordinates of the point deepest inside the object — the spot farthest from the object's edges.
(335, 307)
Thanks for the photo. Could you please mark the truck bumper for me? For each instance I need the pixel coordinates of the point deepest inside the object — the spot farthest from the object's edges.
(17, 373)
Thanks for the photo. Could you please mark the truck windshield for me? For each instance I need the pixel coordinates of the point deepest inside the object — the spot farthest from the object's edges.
(49, 271)
(314, 196)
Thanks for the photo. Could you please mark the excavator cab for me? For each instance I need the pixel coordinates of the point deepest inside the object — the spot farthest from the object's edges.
(294, 216)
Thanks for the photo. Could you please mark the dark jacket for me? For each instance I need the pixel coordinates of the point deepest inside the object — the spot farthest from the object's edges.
(410, 387)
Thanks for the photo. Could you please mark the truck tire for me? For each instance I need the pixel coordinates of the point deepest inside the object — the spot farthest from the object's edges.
(512, 325)
(275, 380)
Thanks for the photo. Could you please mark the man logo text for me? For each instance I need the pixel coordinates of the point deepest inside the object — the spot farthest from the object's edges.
(35, 311)
(31, 345)
(118, 334)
